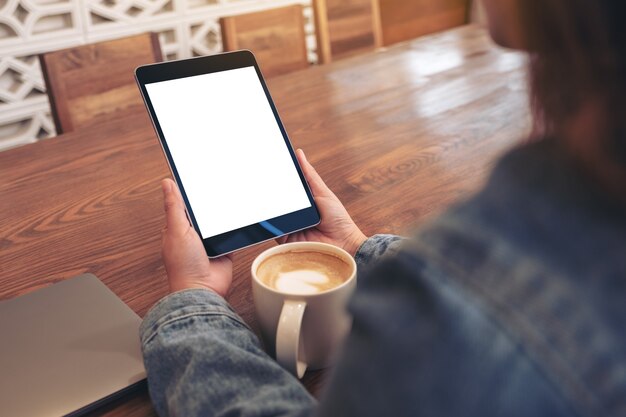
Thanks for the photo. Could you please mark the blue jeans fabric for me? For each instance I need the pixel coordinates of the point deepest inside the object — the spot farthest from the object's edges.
(203, 360)
(510, 304)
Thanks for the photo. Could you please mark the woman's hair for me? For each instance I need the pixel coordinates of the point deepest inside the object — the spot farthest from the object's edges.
(578, 55)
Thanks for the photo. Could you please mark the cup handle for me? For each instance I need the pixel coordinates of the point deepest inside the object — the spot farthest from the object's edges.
(288, 337)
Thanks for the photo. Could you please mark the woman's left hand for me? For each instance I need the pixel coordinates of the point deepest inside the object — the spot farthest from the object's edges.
(185, 259)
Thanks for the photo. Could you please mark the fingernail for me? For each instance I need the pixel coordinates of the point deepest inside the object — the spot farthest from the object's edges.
(166, 186)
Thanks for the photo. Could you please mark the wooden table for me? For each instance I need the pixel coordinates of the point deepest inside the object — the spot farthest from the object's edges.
(398, 135)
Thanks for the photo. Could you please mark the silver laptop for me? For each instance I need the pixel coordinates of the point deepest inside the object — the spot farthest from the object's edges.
(66, 348)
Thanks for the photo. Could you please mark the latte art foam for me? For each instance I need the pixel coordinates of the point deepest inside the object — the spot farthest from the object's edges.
(303, 272)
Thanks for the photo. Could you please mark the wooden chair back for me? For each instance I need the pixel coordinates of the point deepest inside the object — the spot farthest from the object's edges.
(275, 36)
(92, 84)
(477, 12)
(346, 27)
(403, 20)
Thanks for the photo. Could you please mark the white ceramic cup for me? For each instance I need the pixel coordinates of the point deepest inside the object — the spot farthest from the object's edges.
(303, 331)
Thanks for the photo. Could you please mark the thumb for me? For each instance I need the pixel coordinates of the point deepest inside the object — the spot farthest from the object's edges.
(175, 216)
(317, 184)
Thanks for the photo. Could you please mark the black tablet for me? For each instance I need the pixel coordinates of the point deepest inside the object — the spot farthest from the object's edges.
(227, 150)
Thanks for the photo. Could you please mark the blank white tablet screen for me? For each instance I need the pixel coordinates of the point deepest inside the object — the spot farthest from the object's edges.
(228, 149)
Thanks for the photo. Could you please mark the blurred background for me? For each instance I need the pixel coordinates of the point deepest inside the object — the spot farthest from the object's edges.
(185, 28)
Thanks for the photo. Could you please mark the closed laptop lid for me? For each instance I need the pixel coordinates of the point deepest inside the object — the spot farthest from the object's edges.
(65, 347)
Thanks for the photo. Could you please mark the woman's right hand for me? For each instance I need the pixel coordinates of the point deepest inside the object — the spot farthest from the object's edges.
(337, 227)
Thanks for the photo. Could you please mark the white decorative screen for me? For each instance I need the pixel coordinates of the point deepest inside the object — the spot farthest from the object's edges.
(186, 28)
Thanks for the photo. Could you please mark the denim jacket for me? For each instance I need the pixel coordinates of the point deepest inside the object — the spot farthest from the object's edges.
(510, 304)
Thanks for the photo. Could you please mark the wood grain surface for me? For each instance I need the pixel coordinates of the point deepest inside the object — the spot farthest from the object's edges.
(275, 36)
(93, 84)
(399, 135)
(402, 20)
(345, 28)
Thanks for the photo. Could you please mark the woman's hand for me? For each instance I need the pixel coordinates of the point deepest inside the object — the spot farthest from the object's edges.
(336, 227)
(183, 254)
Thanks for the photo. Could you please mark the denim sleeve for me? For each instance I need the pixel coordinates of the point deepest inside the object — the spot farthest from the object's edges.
(375, 248)
(202, 360)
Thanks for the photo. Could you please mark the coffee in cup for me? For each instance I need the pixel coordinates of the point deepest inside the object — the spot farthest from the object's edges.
(304, 272)
(291, 279)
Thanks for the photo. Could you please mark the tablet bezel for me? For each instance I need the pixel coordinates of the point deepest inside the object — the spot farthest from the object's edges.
(248, 235)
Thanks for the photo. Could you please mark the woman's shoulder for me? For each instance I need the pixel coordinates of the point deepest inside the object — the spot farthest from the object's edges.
(426, 313)
(536, 255)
